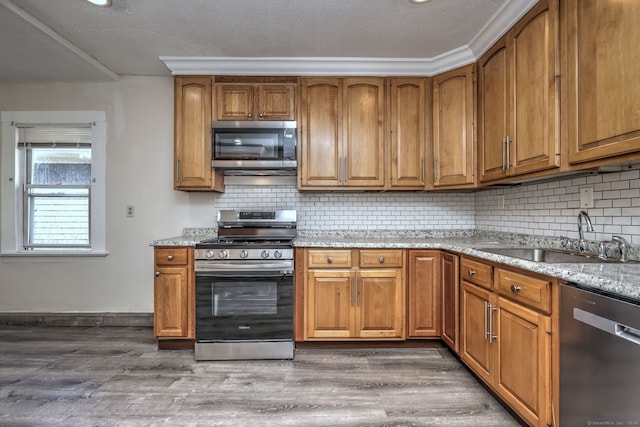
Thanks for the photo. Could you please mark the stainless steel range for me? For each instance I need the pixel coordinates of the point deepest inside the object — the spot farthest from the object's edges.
(244, 287)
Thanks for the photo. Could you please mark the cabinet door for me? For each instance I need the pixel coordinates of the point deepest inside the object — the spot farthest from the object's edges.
(171, 303)
(408, 137)
(330, 304)
(450, 299)
(320, 132)
(193, 133)
(363, 132)
(234, 101)
(424, 294)
(276, 102)
(523, 362)
(453, 146)
(380, 300)
(493, 112)
(475, 315)
(603, 70)
(534, 67)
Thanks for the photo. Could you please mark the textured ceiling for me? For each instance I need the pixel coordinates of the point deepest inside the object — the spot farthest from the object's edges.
(130, 36)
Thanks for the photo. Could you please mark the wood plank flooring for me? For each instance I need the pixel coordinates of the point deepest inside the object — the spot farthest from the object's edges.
(115, 376)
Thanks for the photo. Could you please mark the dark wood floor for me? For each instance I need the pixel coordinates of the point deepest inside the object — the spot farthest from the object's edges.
(115, 376)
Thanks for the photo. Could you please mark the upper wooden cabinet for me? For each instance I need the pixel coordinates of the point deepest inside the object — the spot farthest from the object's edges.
(518, 98)
(257, 101)
(192, 143)
(453, 134)
(410, 123)
(601, 63)
(342, 133)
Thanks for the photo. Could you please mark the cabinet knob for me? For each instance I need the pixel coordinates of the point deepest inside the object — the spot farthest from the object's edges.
(261, 115)
(170, 257)
(515, 288)
(330, 260)
(381, 260)
(249, 115)
(157, 273)
(472, 272)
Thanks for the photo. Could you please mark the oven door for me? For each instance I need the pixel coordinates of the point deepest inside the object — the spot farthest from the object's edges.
(235, 306)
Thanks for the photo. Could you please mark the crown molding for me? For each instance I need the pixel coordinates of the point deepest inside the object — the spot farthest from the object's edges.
(498, 25)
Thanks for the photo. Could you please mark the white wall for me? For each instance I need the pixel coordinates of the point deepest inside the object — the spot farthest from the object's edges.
(139, 114)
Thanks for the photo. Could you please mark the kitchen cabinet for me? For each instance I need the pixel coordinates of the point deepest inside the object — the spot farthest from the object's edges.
(192, 143)
(507, 342)
(450, 310)
(410, 122)
(453, 133)
(518, 98)
(254, 101)
(601, 63)
(342, 133)
(174, 295)
(354, 294)
(424, 289)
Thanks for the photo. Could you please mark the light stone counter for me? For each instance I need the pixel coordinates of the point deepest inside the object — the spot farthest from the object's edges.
(619, 279)
(190, 236)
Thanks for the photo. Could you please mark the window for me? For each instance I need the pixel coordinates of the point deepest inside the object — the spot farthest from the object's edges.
(53, 195)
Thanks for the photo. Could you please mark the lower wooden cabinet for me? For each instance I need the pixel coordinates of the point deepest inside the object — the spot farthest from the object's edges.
(174, 293)
(424, 305)
(357, 302)
(508, 345)
(449, 274)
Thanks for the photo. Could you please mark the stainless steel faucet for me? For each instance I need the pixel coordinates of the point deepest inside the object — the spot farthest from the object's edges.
(582, 244)
(623, 245)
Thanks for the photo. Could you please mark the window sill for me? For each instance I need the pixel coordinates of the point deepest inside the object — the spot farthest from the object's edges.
(75, 254)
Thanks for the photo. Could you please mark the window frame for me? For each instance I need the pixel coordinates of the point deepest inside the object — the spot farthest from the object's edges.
(11, 188)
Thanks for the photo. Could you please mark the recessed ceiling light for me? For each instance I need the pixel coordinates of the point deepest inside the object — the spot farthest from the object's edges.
(418, 1)
(101, 3)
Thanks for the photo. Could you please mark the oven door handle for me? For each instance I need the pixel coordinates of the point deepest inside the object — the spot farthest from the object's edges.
(244, 274)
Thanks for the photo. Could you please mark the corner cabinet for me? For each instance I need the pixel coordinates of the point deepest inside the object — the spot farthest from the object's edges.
(192, 143)
(450, 299)
(506, 336)
(424, 304)
(174, 295)
(342, 133)
(453, 133)
(602, 68)
(518, 98)
(354, 294)
(255, 101)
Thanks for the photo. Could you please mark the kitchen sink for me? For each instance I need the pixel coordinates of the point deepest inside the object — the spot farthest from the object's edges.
(550, 255)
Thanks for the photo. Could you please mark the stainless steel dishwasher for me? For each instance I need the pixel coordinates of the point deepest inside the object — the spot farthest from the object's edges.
(599, 359)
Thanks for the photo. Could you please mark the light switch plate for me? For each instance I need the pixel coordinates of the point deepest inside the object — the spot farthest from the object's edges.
(586, 197)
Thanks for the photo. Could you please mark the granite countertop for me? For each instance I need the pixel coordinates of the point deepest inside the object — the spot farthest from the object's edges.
(619, 279)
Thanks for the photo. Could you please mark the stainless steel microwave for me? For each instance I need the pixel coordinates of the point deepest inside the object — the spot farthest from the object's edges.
(254, 147)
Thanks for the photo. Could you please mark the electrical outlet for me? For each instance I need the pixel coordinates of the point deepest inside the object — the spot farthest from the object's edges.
(500, 202)
(131, 211)
(586, 197)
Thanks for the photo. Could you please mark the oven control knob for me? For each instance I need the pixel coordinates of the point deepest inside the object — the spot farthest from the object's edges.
(264, 254)
(223, 254)
(277, 254)
(210, 254)
(244, 254)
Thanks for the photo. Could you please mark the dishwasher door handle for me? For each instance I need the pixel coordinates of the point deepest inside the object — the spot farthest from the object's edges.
(607, 325)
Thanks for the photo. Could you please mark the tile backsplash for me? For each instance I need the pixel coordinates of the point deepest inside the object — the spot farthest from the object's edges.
(551, 208)
(545, 209)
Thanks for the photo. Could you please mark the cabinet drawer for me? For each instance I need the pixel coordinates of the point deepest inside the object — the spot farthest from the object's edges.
(172, 256)
(328, 258)
(531, 291)
(381, 258)
(476, 272)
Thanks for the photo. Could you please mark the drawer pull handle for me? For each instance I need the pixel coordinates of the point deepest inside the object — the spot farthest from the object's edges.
(381, 260)
(330, 260)
(515, 288)
(170, 257)
(472, 272)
